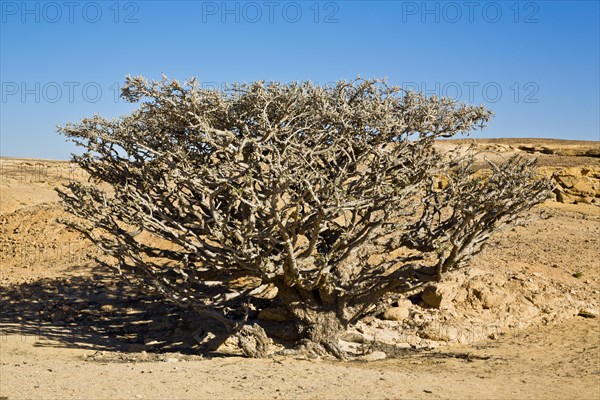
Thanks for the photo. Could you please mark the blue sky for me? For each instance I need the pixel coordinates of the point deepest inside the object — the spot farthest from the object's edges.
(535, 64)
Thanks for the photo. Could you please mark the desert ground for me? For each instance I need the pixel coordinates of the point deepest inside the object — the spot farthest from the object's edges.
(521, 323)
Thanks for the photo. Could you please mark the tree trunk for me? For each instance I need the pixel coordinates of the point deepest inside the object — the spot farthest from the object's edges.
(317, 320)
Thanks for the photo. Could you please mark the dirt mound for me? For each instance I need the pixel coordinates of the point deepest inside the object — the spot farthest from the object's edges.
(34, 244)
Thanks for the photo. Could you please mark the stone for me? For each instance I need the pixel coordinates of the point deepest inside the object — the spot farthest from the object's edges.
(586, 200)
(352, 337)
(566, 198)
(432, 297)
(587, 313)
(578, 185)
(399, 313)
(584, 187)
(374, 356)
(529, 311)
(488, 298)
(567, 181)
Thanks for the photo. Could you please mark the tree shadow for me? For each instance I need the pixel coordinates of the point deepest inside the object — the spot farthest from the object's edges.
(103, 313)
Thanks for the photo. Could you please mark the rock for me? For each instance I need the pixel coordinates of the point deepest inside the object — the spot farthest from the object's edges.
(584, 187)
(577, 185)
(432, 297)
(278, 314)
(566, 198)
(171, 360)
(343, 220)
(489, 299)
(352, 337)
(587, 313)
(529, 311)
(440, 182)
(586, 200)
(566, 181)
(376, 259)
(399, 313)
(374, 356)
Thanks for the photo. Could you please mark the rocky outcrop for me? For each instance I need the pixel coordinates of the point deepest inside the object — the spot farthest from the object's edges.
(398, 313)
(577, 185)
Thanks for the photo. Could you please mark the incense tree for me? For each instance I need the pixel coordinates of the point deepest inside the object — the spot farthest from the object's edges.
(211, 197)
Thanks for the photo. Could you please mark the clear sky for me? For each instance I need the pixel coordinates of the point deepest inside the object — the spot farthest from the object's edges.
(534, 63)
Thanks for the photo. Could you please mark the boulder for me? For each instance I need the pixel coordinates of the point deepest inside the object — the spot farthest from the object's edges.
(352, 337)
(566, 181)
(439, 296)
(399, 313)
(584, 187)
(586, 200)
(566, 198)
(588, 313)
(489, 297)
(577, 185)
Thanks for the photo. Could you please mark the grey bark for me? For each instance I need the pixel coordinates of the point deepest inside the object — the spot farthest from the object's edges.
(212, 197)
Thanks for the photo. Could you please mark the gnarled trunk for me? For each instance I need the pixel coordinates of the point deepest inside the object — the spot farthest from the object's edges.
(318, 319)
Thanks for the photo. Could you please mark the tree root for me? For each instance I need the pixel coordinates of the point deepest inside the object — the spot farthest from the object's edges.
(312, 350)
(253, 341)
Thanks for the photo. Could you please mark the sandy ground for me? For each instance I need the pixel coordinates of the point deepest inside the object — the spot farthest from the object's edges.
(43, 266)
(552, 362)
